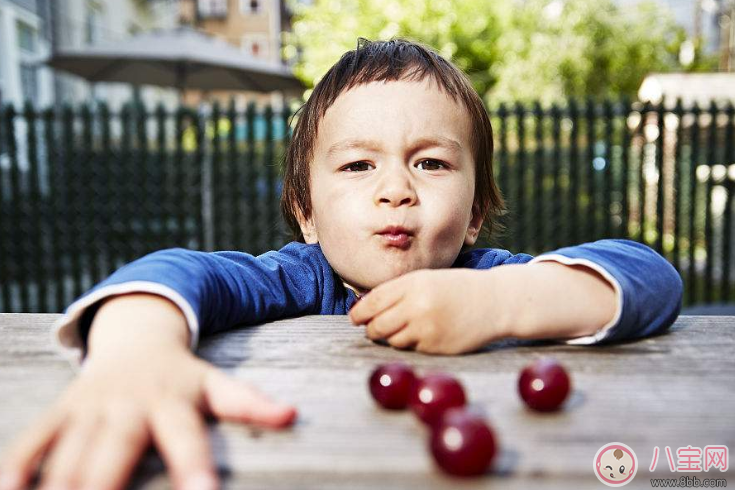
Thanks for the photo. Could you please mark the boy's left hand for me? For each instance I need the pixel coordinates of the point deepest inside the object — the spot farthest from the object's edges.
(436, 311)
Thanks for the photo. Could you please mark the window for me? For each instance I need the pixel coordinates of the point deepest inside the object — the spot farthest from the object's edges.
(256, 45)
(212, 8)
(92, 24)
(26, 37)
(29, 81)
(27, 45)
(251, 6)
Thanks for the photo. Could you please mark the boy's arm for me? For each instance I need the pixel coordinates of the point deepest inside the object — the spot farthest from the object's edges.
(596, 292)
(214, 291)
(590, 293)
(140, 384)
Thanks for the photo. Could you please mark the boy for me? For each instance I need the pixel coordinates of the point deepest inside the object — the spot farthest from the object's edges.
(387, 180)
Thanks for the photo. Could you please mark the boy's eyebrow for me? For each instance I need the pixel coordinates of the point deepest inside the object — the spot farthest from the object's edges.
(440, 141)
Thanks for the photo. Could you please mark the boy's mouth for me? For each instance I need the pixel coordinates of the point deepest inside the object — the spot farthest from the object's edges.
(401, 240)
(397, 236)
(395, 230)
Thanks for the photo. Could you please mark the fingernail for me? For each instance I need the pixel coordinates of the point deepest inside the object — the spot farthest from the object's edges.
(9, 480)
(291, 416)
(199, 481)
(353, 304)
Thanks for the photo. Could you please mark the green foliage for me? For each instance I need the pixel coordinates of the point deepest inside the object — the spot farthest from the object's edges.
(545, 50)
(465, 32)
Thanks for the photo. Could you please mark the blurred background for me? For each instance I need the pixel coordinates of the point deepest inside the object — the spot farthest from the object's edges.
(127, 126)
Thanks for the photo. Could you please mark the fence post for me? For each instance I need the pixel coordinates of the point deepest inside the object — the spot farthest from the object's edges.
(54, 200)
(285, 116)
(520, 218)
(573, 225)
(232, 178)
(270, 181)
(180, 183)
(678, 191)
(693, 184)
(110, 188)
(607, 173)
(556, 193)
(8, 212)
(539, 237)
(89, 208)
(660, 167)
(70, 198)
(37, 221)
(251, 175)
(591, 210)
(730, 159)
(202, 184)
(641, 177)
(625, 172)
(708, 235)
(215, 186)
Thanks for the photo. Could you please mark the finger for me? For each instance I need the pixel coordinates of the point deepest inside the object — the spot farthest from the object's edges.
(378, 300)
(388, 322)
(64, 464)
(404, 339)
(182, 439)
(118, 448)
(21, 459)
(230, 399)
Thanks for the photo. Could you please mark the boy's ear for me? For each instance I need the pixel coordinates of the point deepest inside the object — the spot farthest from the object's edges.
(473, 230)
(307, 228)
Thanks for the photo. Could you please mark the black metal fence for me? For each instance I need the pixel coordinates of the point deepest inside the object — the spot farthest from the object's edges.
(84, 191)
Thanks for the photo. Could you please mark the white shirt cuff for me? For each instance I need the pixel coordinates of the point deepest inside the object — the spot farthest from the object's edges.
(66, 329)
(604, 331)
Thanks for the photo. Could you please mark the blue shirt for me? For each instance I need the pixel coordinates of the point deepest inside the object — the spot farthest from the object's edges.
(219, 290)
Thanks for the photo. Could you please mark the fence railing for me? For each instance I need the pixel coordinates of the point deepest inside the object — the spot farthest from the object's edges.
(84, 191)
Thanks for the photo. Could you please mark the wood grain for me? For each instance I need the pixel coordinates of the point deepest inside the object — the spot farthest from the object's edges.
(674, 390)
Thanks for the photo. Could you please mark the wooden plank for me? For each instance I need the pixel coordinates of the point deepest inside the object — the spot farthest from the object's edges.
(676, 389)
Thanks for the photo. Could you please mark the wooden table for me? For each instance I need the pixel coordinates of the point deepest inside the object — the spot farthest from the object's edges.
(673, 390)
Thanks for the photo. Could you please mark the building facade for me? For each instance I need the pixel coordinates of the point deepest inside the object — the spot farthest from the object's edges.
(79, 23)
(31, 29)
(24, 38)
(254, 26)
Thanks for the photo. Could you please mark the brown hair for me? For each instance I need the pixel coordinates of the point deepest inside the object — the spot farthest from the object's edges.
(397, 59)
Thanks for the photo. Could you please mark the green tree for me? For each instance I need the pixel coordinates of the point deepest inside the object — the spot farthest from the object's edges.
(512, 50)
(585, 48)
(465, 32)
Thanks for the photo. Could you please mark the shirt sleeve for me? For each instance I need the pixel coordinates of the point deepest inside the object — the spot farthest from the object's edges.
(214, 290)
(648, 288)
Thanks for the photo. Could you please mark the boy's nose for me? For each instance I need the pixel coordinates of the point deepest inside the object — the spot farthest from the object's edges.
(396, 189)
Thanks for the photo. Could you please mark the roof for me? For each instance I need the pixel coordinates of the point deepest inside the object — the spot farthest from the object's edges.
(702, 88)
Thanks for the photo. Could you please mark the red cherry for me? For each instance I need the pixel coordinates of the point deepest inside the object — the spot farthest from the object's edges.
(544, 385)
(391, 385)
(434, 394)
(462, 443)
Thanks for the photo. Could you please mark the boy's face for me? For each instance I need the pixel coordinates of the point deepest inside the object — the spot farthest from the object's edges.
(394, 184)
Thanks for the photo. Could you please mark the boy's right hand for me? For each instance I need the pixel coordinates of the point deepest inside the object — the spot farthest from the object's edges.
(99, 428)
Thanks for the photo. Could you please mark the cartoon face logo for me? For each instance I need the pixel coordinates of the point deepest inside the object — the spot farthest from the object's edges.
(615, 464)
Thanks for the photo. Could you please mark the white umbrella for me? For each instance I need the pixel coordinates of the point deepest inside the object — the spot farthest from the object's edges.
(181, 58)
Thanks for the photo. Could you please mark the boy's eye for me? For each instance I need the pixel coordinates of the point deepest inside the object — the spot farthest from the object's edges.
(353, 165)
(432, 163)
